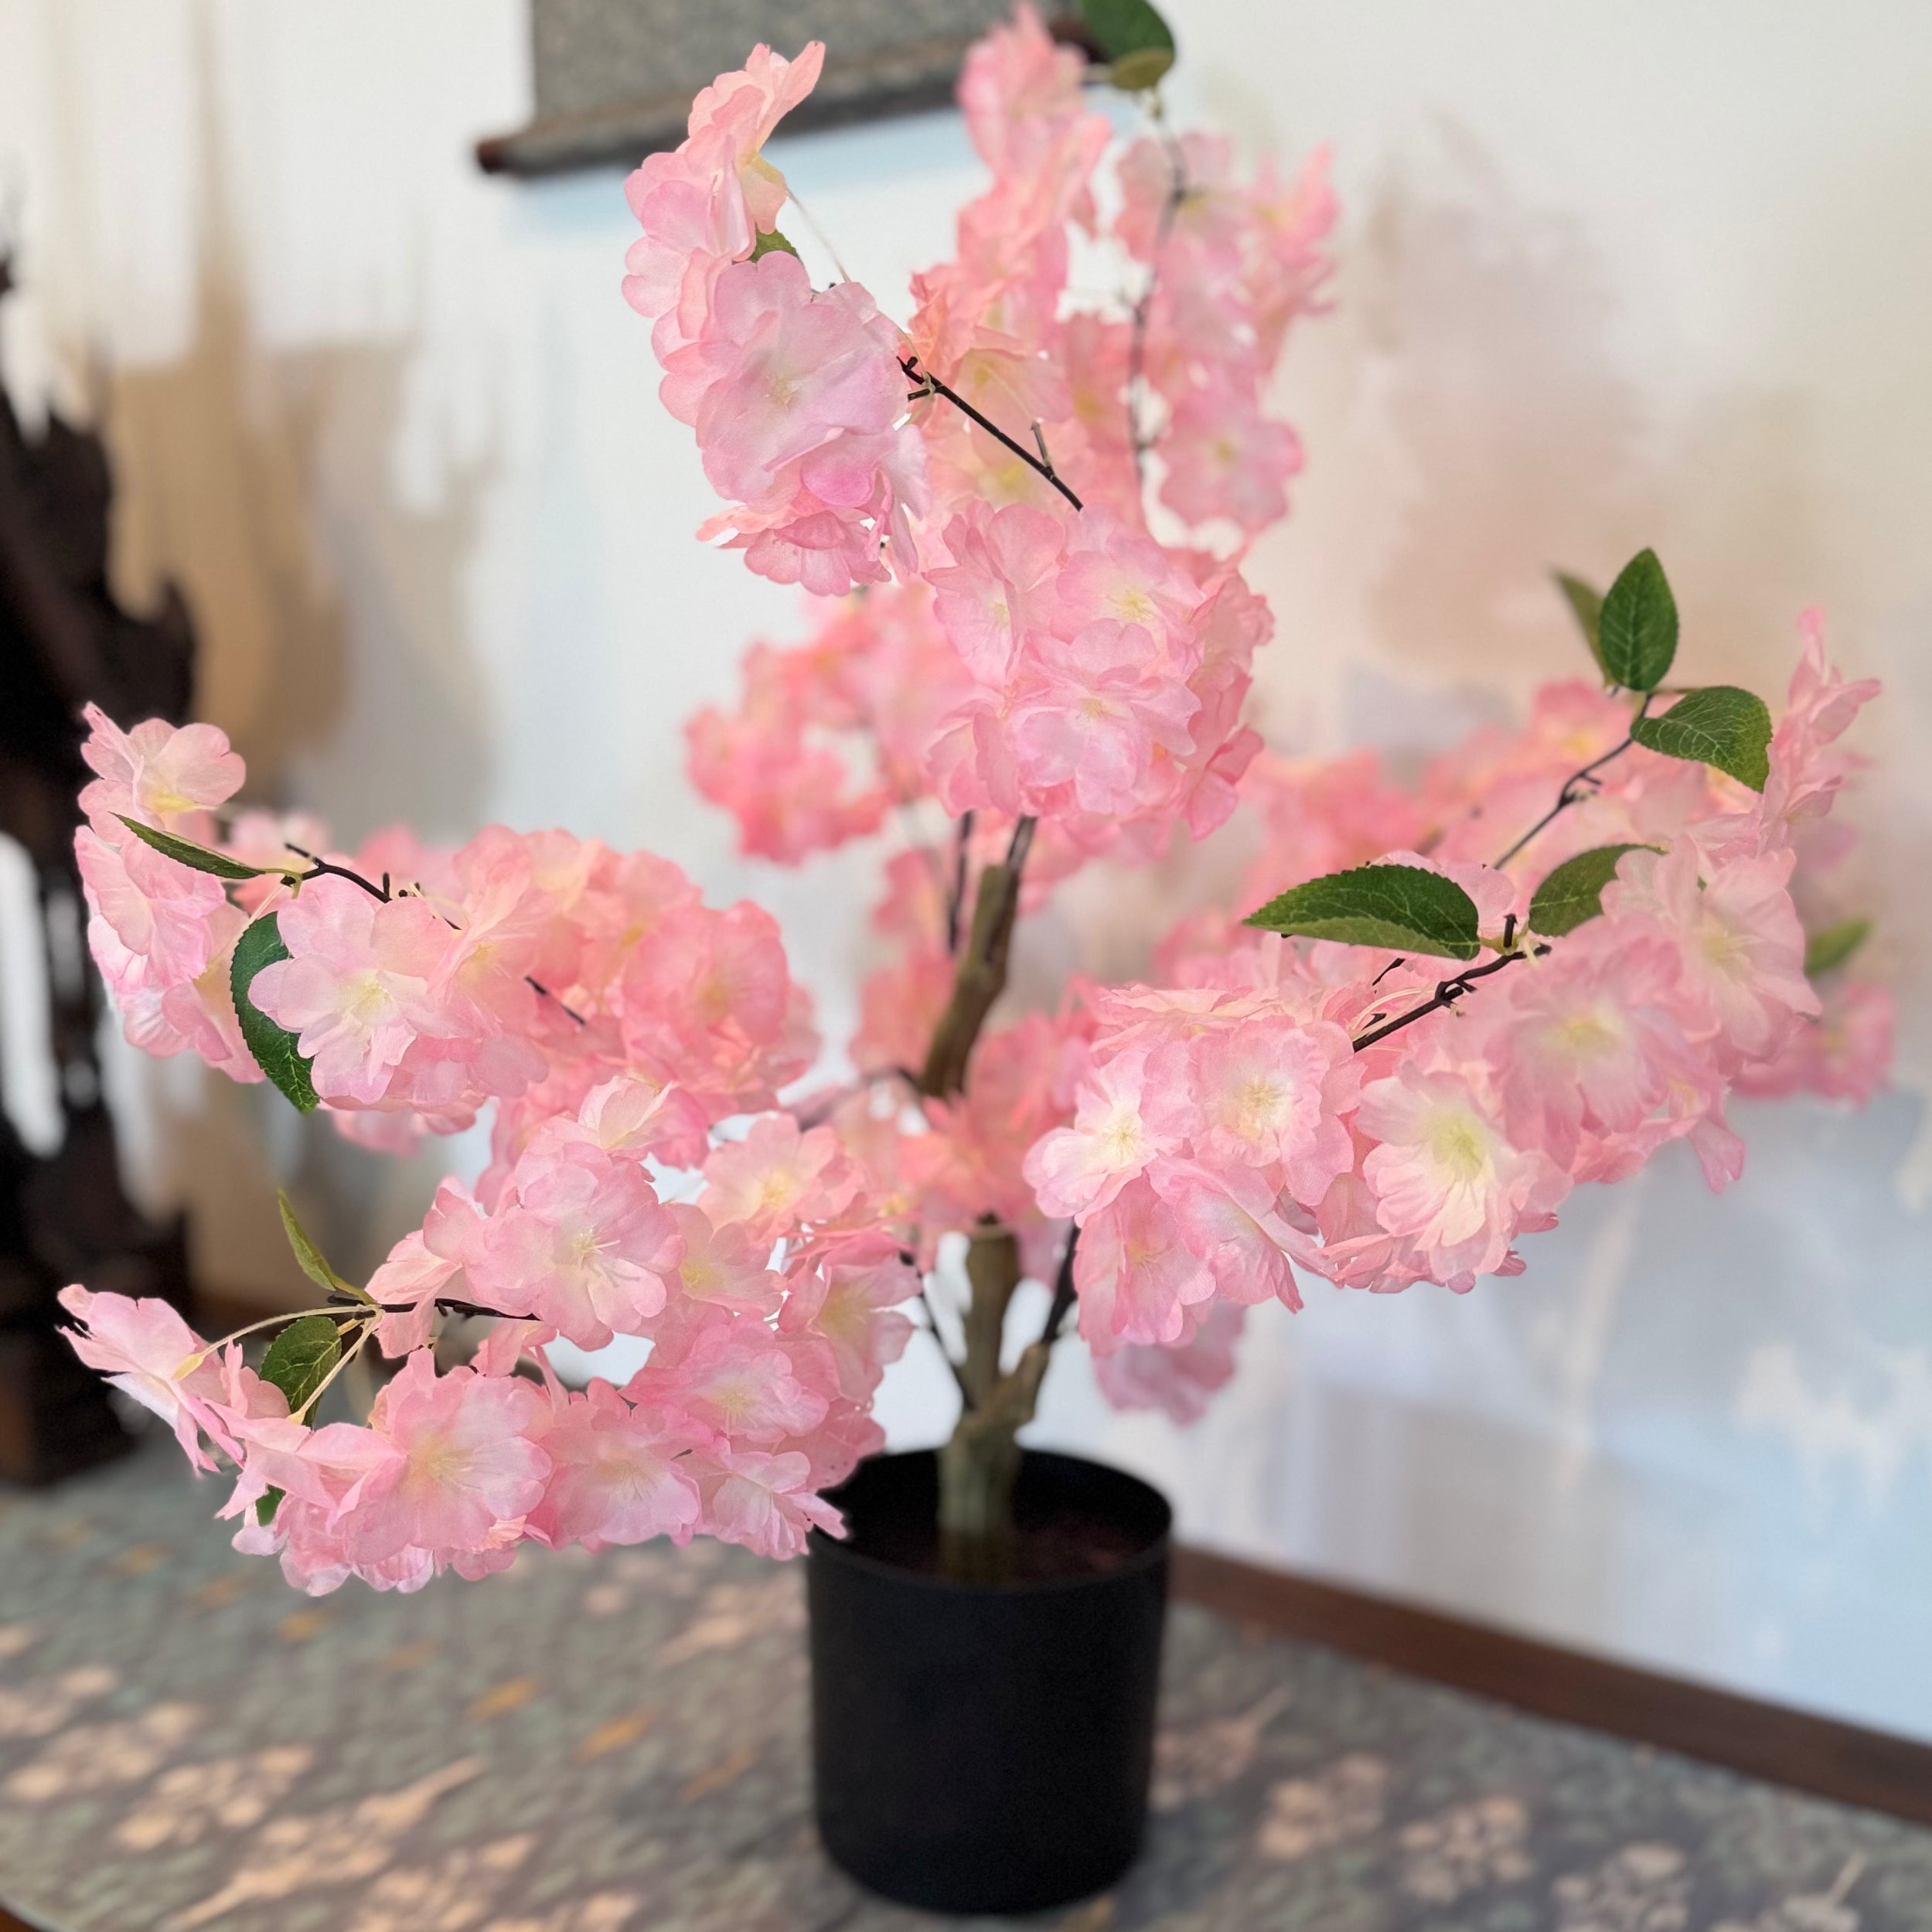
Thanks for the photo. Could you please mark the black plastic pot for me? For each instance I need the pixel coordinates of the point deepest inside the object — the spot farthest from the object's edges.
(986, 1747)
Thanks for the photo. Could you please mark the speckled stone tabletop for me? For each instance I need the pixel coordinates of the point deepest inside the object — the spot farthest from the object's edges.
(616, 1743)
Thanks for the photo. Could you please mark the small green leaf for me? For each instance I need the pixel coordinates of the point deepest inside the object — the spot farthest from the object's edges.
(309, 1257)
(186, 852)
(300, 1357)
(1831, 945)
(266, 1505)
(1574, 892)
(1133, 35)
(1636, 629)
(275, 1049)
(770, 242)
(1401, 906)
(1586, 603)
(1718, 725)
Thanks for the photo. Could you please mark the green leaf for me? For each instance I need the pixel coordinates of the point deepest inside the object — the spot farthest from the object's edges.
(1637, 630)
(1831, 945)
(300, 1357)
(770, 242)
(1718, 725)
(1574, 892)
(1133, 35)
(1586, 603)
(309, 1257)
(275, 1049)
(1401, 906)
(266, 1505)
(186, 852)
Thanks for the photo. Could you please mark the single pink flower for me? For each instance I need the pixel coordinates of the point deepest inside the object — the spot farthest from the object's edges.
(1445, 1176)
(457, 1460)
(583, 1244)
(356, 987)
(1122, 1120)
(615, 1476)
(159, 773)
(763, 1501)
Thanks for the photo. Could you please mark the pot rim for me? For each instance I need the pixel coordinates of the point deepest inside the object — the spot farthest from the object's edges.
(821, 1546)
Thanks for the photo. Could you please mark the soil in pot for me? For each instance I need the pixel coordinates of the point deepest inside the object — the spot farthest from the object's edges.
(986, 1747)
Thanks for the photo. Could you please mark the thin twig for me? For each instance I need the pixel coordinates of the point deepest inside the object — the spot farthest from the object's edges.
(320, 868)
(1447, 992)
(930, 385)
(1064, 1292)
(1574, 787)
(1171, 209)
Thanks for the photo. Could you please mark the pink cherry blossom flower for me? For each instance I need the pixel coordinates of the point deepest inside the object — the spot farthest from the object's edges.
(1226, 460)
(776, 1177)
(615, 1474)
(1135, 1275)
(724, 1263)
(583, 1244)
(167, 921)
(735, 1377)
(1267, 1089)
(763, 1501)
(159, 773)
(1123, 1119)
(1741, 946)
(1103, 708)
(1177, 1381)
(1000, 586)
(1231, 1221)
(355, 987)
(457, 1458)
(1445, 1175)
(854, 1306)
(783, 371)
(146, 1350)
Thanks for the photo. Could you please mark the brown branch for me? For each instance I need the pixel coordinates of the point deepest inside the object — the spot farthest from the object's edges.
(981, 974)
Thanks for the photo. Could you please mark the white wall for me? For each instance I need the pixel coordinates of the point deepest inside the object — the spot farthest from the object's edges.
(1654, 273)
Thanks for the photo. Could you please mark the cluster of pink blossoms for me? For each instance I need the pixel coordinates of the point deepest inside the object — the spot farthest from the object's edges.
(1071, 668)
(611, 1019)
(1061, 673)
(1228, 1127)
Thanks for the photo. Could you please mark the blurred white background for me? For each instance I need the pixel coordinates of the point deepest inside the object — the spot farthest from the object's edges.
(1648, 274)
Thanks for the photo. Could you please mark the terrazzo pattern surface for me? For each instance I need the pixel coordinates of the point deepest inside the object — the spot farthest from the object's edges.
(617, 1744)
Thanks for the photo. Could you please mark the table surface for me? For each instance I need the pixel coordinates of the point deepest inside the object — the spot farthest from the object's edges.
(613, 1743)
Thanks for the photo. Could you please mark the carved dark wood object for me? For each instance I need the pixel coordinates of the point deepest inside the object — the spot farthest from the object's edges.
(64, 642)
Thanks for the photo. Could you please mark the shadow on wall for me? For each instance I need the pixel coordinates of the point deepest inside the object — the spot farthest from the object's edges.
(1521, 446)
(334, 626)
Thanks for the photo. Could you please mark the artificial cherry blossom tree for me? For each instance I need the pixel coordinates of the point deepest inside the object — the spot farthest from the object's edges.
(1022, 514)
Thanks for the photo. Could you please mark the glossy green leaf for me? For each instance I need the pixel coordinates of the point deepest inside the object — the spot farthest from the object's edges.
(300, 1357)
(186, 852)
(1718, 725)
(1573, 894)
(1134, 37)
(1401, 906)
(275, 1049)
(1586, 603)
(1637, 628)
(266, 1505)
(1831, 945)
